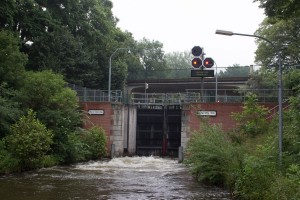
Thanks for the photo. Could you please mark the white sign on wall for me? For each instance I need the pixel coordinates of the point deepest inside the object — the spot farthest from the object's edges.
(96, 112)
(212, 113)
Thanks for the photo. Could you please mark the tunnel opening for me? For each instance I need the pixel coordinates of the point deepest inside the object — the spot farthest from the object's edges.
(158, 130)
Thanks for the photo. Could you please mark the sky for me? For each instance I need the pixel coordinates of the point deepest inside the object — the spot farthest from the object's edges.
(182, 24)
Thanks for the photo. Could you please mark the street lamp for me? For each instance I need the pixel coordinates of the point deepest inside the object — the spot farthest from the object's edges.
(230, 33)
(109, 72)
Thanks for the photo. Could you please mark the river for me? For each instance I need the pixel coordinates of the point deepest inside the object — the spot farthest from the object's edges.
(120, 178)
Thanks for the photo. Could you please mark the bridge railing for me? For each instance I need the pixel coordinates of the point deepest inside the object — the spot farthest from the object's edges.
(190, 96)
(193, 96)
(241, 71)
(91, 95)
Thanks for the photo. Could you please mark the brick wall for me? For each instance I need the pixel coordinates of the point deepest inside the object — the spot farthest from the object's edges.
(223, 117)
(98, 120)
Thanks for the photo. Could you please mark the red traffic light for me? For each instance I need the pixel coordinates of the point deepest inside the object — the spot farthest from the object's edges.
(196, 62)
(208, 62)
(197, 51)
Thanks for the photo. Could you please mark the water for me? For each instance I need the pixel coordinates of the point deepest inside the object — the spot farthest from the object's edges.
(120, 178)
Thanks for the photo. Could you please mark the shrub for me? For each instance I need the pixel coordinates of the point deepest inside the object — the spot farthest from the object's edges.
(29, 141)
(86, 145)
(8, 164)
(252, 121)
(255, 178)
(212, 157)
(95, 139)
(286, 187)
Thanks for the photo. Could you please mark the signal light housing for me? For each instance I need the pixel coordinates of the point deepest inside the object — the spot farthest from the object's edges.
(197, 51)
(196, 62)
(208, 62)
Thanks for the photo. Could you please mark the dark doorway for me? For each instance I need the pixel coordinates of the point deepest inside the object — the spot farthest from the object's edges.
(158, 130)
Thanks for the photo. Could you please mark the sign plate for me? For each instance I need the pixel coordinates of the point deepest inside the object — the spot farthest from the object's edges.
(202, 73)
(96, 112)
(211, 113)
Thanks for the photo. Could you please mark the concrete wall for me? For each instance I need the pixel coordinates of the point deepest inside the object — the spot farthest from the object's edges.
(130, 128)
(117, 128)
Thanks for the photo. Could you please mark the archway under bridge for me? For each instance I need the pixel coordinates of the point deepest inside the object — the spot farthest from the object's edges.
(158, 130)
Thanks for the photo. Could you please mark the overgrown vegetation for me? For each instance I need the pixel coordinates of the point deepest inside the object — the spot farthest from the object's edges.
(39, 117)
(246, 162)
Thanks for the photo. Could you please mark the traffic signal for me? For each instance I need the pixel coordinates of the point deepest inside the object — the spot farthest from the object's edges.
(196, 62)
(197, 51)
(208, 62)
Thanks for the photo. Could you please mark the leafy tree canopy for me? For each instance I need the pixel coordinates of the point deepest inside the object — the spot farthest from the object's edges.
(282, 9)
(151, 54)
(12, 61)
(285, 36)
(235, 71)
(178, 60)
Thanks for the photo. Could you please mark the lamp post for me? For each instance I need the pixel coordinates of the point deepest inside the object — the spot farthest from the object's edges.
(230, 33)
(109, 71)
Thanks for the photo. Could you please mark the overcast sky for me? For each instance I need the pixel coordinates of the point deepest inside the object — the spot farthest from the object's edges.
(182, 24)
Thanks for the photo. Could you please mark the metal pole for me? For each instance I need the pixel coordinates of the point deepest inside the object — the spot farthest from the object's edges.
(112, 151)
(109, 72)
(216, 83)
(280, 85)
(180, 154)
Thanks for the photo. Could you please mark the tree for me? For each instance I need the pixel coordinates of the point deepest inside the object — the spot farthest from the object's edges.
(10, 109)
(29, 141)
(151, 54)
(70, 37)
(235, 71)
(284, 34)
(283, 9)
(12, 61)
(252, 120)
(178, 60)
(12, 73)
(56, 105)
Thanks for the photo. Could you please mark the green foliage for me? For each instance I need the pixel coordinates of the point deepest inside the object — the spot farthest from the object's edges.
(288, 186)
(10, 110)
(8, 163)
(254, 179)
(95, 140)
(283, 9)
(252, 121)
(235, 71)
(263, 79)
(284, 35)
(29, 140)
(178, 60)
(151, 54)
(213, 157)
(56, 106)
(292, 81)
(86, 145)
(12, 61)
(291, 136)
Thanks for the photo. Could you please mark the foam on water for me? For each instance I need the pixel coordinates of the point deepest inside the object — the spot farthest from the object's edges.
(133, 163)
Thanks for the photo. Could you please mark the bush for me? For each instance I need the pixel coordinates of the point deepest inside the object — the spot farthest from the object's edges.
(286, 187)
(252, 121)
(86, 145)
(212, 157)
(29, 141)
(95, 139)
(255, 178)
(8, 164)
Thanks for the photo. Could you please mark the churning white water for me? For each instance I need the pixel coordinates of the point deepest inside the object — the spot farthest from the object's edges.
(120, 178)
(151, 178)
